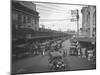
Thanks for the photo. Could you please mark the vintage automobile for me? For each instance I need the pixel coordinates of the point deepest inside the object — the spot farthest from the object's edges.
(56, 62)
(55, 55)
(58, 66)
(73, 50)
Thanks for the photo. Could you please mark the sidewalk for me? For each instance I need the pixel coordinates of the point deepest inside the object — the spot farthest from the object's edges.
(32, 62)
(78, 63)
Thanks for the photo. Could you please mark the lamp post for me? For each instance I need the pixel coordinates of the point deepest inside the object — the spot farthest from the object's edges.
(77, 16)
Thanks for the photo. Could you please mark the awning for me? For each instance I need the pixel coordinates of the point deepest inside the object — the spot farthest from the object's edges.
(25, 31)
(85, 39)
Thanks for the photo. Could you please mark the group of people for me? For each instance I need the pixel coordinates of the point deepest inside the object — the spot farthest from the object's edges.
(56, 56)
(85, 52)
(35, 47)
(40, 47)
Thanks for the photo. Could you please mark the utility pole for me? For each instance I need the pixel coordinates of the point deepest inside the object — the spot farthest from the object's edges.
(77, 16)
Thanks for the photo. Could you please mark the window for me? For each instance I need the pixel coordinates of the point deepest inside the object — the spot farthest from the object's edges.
(19, 18)
(94, 18)
(33, 20)
(15, 16)
(29, 19)
(36, 20)
(24, 19)
(94, 29)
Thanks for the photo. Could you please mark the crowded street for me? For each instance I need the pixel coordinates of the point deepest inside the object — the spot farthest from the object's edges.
(36, 64)
(50, 37)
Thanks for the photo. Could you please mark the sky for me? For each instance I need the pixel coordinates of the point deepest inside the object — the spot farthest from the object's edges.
(57, 16)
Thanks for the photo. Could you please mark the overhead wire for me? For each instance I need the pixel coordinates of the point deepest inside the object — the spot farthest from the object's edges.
(54, 5)
(47, 10)
(47, 7)
(52, 20)
(53, 8)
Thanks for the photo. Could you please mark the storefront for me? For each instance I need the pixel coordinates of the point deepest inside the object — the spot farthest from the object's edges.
(87, 47)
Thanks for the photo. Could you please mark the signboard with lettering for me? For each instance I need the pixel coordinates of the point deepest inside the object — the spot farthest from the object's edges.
(73, 13)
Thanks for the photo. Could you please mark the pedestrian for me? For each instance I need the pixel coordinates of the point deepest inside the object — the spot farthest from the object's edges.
(61, 45)
(86, 53)
(43, 51)
(79, 49)
(64, 53)
(83, 52)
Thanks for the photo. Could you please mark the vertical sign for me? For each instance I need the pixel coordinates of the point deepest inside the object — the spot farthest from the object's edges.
(73, 13)
(74, 16)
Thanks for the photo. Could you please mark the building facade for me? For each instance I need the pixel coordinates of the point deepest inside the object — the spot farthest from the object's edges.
(24, 16)
(89, 21)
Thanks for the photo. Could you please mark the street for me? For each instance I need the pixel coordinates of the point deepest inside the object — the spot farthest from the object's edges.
(40, 63)
(52, 37)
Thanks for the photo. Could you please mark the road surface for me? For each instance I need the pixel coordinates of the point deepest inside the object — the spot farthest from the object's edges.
(40, 63)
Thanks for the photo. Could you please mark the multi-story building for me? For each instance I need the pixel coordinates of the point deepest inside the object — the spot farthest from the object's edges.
(24, 16)
(89, 21)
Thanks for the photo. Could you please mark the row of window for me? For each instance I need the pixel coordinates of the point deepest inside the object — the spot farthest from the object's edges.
(23, 18)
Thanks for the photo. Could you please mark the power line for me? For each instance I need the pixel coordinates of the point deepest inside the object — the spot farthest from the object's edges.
(45, 7)
(45, 11)
(42, 12)
(49, 13)
(51, 10)
(54, 5)
(52, 20)
(59, 3)
(39, 5)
